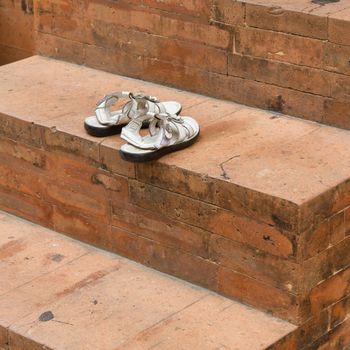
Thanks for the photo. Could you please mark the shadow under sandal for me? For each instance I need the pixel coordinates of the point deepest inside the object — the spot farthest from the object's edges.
(107, 123)
(167, 133)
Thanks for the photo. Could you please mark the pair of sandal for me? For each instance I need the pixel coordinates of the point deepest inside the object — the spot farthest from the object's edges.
(168, 131)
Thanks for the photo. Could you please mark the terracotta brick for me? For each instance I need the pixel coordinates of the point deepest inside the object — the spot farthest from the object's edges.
(30, 157)
(60, 141)
(60, 48)
(20, 130)
(71, 28)
(281, 74)
(324, 265)
(257, 294)
(3, 338)
(114, 60)
(340, 312)
(340, 89)
(279, 19)
(10, 54)
(336, 113)
(347, 222)
(160, 25)
(109, 35)
(337, 227)
(314, 240)
(19, 33)
(26, 207)
(110, 159)
(209, 217)
(274, 98)
(165, 231)
(169, 260)
(195, 8)
(336, 58)
(280, 47)
(330, 291)
(227, 195)
(228, 12)
(256, 264)
(338, 338)
(338, 27)
(82, 227)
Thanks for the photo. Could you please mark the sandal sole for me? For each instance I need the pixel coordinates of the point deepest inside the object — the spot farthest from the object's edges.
(108, 131)
(136, 158)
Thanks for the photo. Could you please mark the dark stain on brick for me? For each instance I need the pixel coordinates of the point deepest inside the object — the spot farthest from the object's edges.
(88, 280)
(46, 316)
(276, 104)
(27, 6)
(57, 257)
(281, 224)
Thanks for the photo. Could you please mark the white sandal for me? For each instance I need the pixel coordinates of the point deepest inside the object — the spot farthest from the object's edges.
(167, 133)
(107, 123)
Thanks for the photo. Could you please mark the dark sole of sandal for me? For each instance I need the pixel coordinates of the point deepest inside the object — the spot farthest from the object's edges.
(108, 131)
(136, 158)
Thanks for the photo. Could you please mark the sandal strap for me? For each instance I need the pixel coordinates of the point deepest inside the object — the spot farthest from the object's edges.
(105, 117)
(165, 128)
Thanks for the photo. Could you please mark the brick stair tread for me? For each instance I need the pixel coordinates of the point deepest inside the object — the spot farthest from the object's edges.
(62, 294)
(335, 9)
(268, 154)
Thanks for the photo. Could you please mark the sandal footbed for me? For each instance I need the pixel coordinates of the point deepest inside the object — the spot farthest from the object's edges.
(140, 158)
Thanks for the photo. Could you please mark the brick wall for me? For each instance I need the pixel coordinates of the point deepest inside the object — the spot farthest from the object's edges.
(16, 30)
(273, 58)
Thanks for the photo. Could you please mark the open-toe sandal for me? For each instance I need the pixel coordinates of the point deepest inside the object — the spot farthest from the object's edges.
(107, 123)
(167, 133)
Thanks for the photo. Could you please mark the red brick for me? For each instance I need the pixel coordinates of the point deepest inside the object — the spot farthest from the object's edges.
(340, 87)
(337, 339)
(330, 291)
(278, 19)
(176, 51)
(336, 58)
(281, 74)
(60, 48)
(340, 312)
(160, 25)
(260, 295)
(169, 260)
(337, 227)
(280, 47)
(82, 227)
(337, 113)
(158, 228)
(263, 267)
(227, 195)
(314, 240)
(347, 222)
(19, 33)
(20, 130)
(26, 207)
(339, 27)
(195, 8)
(10, 54)
(228, 12)
(209, 217)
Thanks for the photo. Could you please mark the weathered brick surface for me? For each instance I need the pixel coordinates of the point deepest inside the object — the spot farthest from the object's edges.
(273, 244)
(284, 57)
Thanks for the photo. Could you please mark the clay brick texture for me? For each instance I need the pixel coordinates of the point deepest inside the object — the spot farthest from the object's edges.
(289, 58)
(17, 37)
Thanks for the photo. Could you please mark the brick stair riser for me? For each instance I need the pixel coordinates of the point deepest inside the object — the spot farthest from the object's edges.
(202, 242)
(286, 61)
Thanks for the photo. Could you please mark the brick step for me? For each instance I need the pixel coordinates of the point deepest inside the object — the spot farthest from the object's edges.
(56, 293)
(257, 210)
(281, 55)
